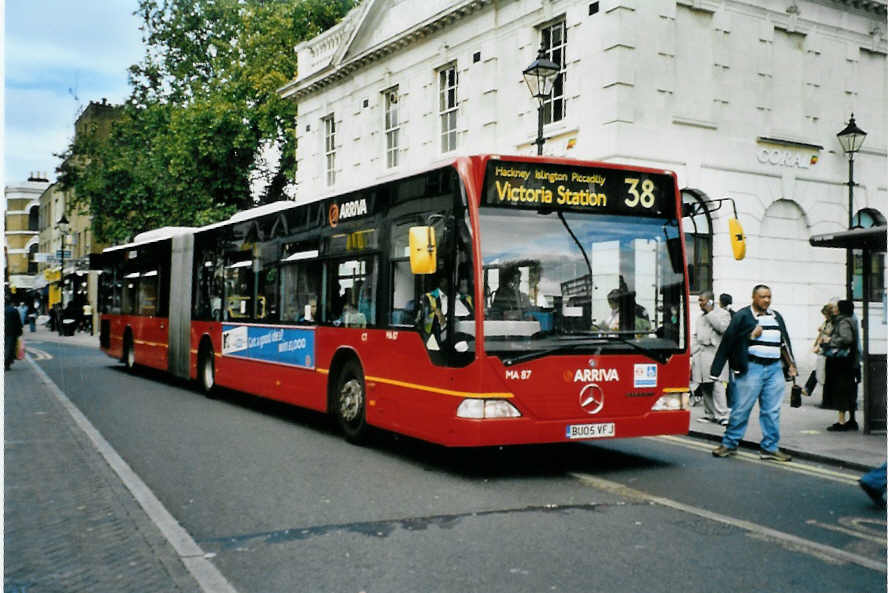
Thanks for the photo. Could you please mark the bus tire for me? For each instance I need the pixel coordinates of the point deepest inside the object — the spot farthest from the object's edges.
(349, 402)
(129, 352)
(206, 372)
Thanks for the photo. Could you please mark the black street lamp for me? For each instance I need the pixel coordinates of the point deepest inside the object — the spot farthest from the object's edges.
(851, 139)
(63, 226)
(540, 78)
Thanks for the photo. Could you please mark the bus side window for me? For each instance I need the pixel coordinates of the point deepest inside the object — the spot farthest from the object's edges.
(403, 297)
(238, 290)
(300, 291)
(351, 298)
(403, 294)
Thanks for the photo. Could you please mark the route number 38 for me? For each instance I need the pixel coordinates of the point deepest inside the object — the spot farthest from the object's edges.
(645, 197)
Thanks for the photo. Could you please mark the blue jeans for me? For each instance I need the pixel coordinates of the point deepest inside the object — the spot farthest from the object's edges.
(765, 384)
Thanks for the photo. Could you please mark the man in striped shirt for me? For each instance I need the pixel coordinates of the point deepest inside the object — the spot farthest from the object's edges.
(753, 345)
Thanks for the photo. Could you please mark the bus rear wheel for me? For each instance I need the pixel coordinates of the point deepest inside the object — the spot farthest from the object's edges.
(349, 401)
(129, 353)
(206, 372)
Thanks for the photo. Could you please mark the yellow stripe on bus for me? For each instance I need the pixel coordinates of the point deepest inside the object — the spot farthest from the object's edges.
(431, 389)
(146, 343)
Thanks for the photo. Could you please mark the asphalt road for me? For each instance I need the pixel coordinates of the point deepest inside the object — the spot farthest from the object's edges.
(285, 504)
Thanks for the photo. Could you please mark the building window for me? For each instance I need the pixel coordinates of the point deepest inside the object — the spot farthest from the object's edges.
(34, 218)
(866, 218)
(392, 128)
(555, 44)
(447, 106)
(330, 148)
(698, 241)
(33, 267)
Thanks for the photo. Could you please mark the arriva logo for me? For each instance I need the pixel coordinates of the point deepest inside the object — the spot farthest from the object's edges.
(588, 375)
(347, 210)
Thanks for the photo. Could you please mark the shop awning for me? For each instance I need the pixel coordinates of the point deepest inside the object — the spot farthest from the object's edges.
(872, 238)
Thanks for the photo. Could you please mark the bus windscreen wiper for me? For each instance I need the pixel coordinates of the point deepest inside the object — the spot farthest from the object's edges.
(608, 335)
(660, 356)
(541, 353)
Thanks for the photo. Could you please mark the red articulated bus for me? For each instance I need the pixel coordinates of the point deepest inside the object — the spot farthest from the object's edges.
(493, 300)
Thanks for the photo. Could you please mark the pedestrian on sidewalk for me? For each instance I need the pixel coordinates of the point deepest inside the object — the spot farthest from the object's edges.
(873, 483)
(843, 366)
(11, 333)
(32, 318)
(756, 344)
(704, 342)
(824, 332)
(725, 300)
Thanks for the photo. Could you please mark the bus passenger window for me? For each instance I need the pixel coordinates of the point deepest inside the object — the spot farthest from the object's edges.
(130, 294)
(403, 294)
(300, 291)
(209, 282)
(239, 290)
(267, 294)
(148, 293)
(351, 300)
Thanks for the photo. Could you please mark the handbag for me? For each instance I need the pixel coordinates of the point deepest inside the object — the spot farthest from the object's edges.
(833, 352)
(795, 395)
(811, 383)
(20, 348)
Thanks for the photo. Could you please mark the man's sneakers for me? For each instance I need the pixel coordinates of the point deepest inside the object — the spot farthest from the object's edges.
(776, 455)
(722, 451)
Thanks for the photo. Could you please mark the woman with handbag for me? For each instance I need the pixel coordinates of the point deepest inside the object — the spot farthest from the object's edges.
(842, 354)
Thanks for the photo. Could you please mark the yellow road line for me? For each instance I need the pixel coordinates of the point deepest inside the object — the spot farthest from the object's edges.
(794, 466)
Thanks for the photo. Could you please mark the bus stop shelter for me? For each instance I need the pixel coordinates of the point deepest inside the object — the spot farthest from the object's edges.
(869, 241)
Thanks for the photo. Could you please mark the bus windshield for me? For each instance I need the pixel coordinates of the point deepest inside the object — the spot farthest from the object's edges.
(574, 281)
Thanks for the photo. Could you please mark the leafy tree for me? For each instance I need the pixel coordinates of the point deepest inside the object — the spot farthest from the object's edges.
(188, 142)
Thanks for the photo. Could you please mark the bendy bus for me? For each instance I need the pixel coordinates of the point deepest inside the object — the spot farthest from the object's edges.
(495, 300)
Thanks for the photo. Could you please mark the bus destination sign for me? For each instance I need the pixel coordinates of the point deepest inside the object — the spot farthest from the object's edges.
(601, 190)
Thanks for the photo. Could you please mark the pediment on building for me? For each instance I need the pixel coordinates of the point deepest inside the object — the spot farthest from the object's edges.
(369, 32)
(385, 20)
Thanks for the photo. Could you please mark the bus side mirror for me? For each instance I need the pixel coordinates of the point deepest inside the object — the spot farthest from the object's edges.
(423, 252)
(738, 239)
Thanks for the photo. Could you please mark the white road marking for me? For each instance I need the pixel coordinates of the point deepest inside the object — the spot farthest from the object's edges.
(193, 557)
(793, 466)
(37, 353)
(854, 533)
(798, 543)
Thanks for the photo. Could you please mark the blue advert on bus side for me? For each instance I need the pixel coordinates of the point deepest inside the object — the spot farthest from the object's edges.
(281, 345)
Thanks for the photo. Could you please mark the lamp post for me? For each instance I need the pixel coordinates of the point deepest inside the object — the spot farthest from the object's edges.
(540, 77)
(851, 139)
(63, 226)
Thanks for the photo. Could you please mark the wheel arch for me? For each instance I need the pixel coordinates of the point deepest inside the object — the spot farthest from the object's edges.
(204, 345)
(342, 356)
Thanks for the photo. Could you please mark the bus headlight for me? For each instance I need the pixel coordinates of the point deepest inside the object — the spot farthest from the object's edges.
(673, 402)
(487, 408)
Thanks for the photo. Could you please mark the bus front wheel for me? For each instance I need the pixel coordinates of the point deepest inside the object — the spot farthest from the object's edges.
(349, 402)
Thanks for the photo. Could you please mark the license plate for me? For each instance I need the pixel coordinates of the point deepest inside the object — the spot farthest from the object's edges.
(590, 431)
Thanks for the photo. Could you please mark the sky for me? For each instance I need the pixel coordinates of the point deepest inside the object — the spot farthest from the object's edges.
(58, 56)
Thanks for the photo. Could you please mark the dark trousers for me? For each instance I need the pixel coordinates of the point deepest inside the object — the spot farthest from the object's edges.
(9, 350)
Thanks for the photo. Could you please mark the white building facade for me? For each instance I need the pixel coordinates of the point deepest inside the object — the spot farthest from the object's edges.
(742, 99)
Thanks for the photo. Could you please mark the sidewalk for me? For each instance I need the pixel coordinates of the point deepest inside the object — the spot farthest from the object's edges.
(70, 524)
(44, 335)
(803, 435)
